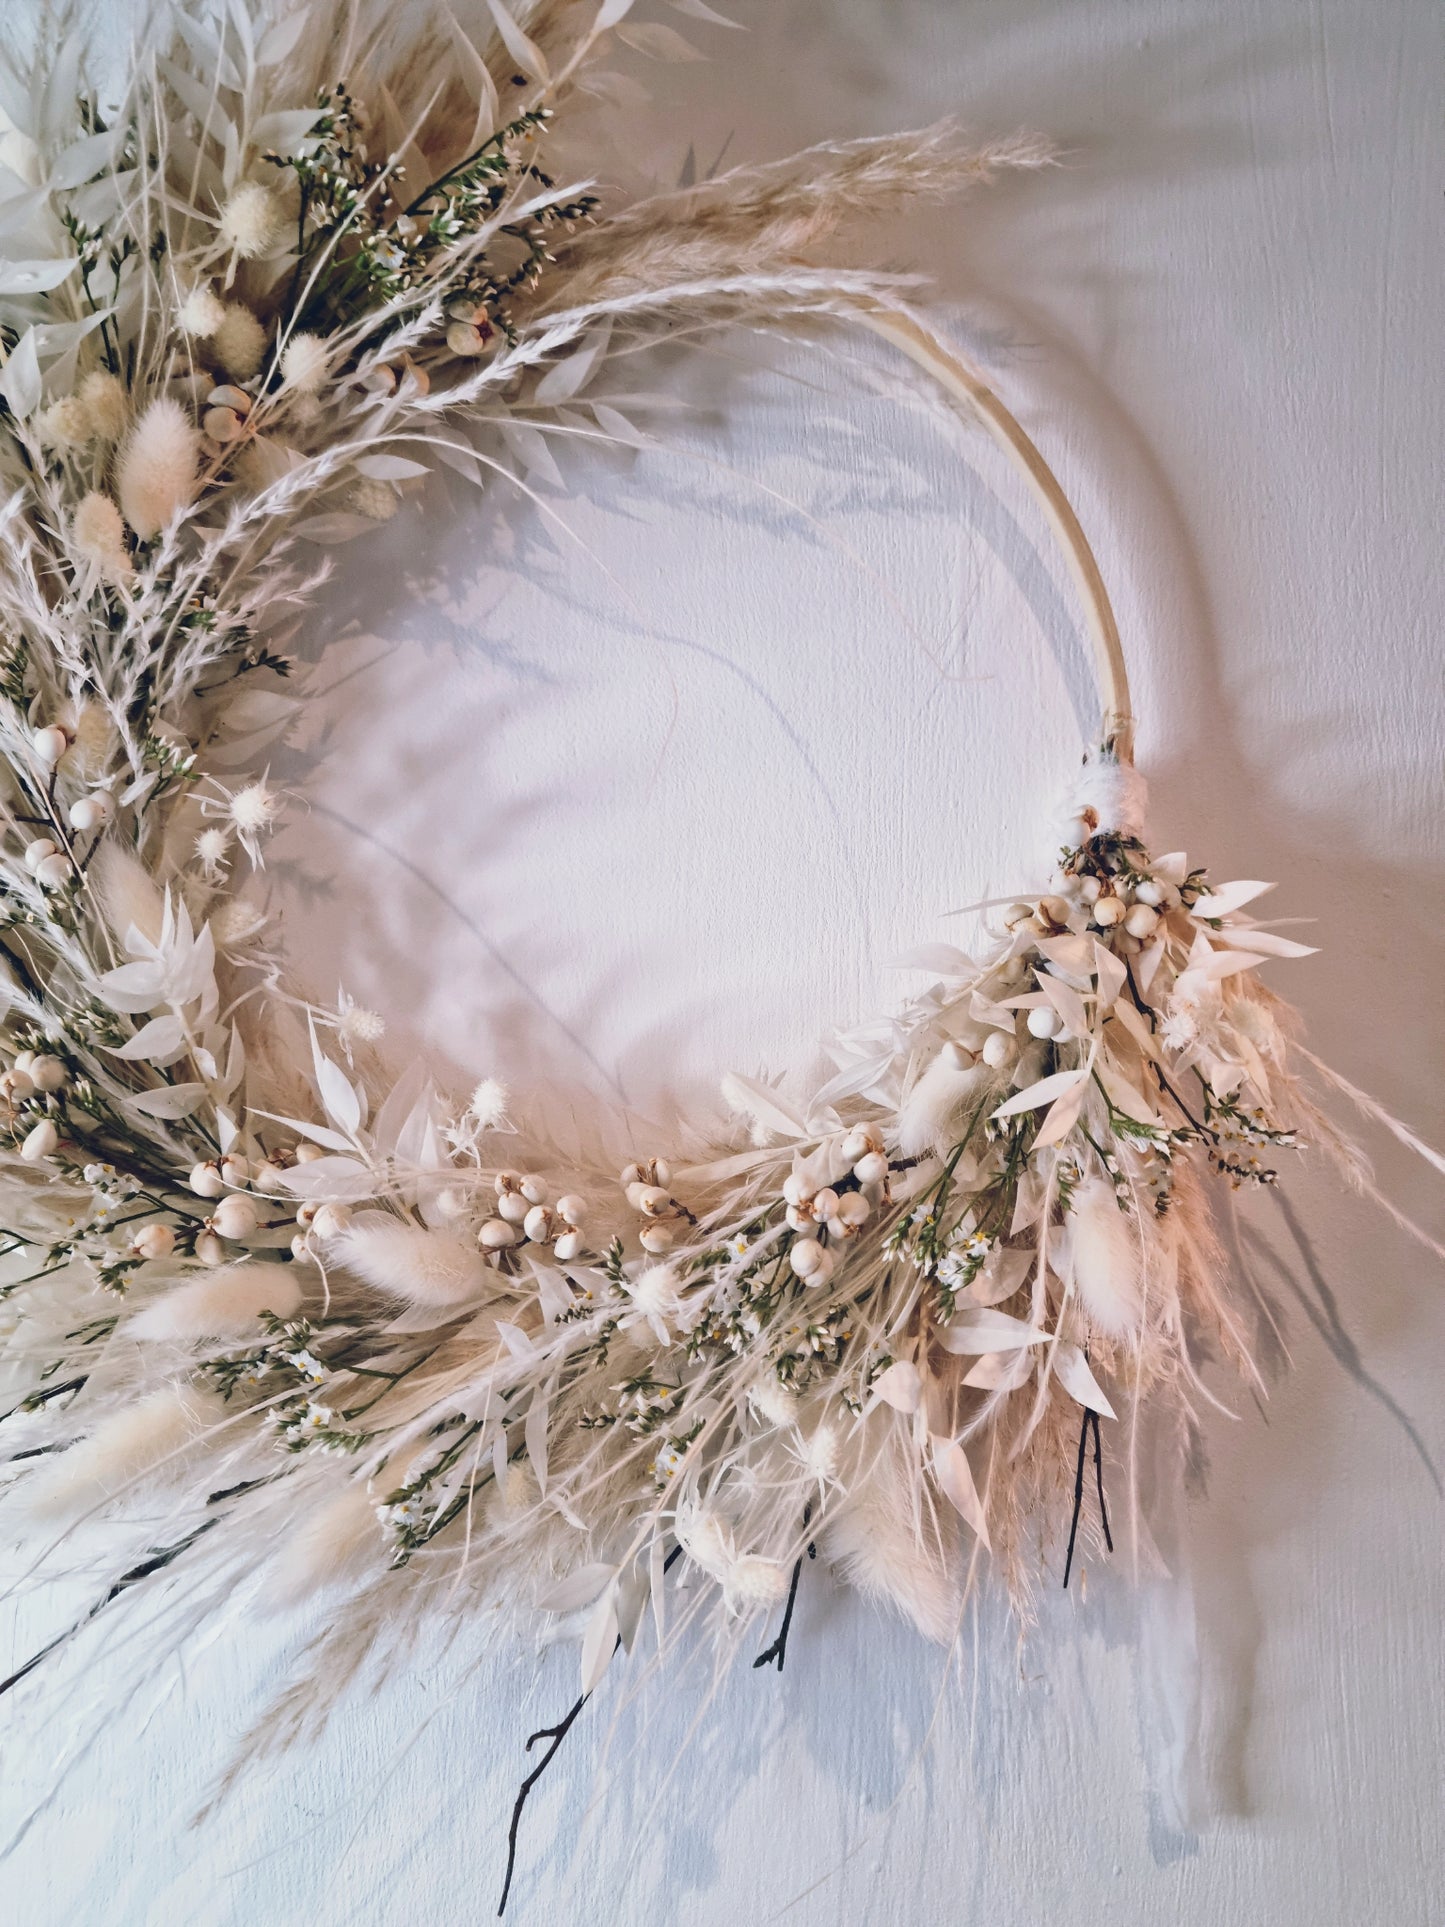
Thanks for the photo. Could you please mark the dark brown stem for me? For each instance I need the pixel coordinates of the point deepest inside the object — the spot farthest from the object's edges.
(556, 1734)
(779, 1649)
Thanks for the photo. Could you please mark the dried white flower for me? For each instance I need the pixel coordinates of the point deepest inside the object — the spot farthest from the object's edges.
(656, 1297)
(254, 809)
(235, 923)
(65, 424)
(107, 404)
(488, 1103)
(376, 500)
(772, 1400)
(239, 341)
(356, 1024)
(707, 1539)
(250, 812)
(753, 1583)
(820, 1451)
(201, 313)
(303, 363)
(253, 221)
(157, 473)
(1178, 1028)
(97, 534)
(212, 846)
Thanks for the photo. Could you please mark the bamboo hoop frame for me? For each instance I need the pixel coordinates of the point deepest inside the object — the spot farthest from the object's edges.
(975, 400)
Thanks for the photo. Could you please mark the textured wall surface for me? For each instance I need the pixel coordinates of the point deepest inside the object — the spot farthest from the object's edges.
(664, 793)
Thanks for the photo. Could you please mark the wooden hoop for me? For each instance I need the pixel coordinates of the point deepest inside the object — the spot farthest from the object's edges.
(974, 399)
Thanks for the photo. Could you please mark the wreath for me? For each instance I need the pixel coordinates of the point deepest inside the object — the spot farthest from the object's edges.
(345, 1329)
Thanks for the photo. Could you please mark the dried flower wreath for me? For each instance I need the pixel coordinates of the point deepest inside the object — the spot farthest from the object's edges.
(392, 1344)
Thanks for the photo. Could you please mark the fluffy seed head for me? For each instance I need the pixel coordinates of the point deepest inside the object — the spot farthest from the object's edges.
(157, 477)
(376, 500)
(489, 1103)
(211, 848)
(201, 313)
(1105, 1249)
(253, 221)
(336, 1542)
(254, 809)
(153, 1434)
(358, 1025)
(303, 363)
(106, 403)
(654, 1291)
(97, 534)
(754, 1583)
(235, 923)
(432, 1268)
(239, 341)
(65, 423)
(221, 1304)
(772, 1400)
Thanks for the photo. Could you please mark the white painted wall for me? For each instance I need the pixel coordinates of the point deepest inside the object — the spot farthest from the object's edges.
(647, 824)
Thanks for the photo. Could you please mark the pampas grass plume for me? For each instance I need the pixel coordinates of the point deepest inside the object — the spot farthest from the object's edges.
(149, 1435)
(337, 1542)
(157, 476)
(438, 1269)
(221, 1303)
(1105, 1250)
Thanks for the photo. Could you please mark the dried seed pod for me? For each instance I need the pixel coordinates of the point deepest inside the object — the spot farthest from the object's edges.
(154, 1241)
(91, 812)
(235, 1217)
(223, 425)
(229, 396)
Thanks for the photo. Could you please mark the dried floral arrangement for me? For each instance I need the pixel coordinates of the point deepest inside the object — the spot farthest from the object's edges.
(391, 1343)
